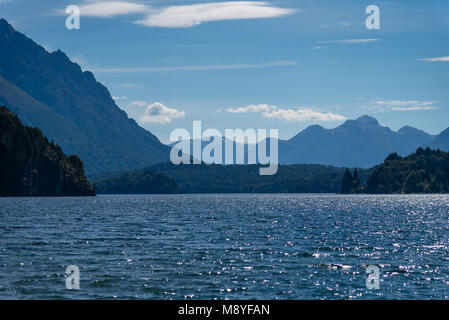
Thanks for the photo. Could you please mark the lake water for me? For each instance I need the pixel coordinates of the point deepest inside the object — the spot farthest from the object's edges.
(225, 246)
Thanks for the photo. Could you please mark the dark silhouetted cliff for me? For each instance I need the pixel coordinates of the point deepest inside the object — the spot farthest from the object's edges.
(30, 165)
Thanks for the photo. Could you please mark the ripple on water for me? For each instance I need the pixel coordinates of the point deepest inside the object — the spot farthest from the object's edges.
(225, 246)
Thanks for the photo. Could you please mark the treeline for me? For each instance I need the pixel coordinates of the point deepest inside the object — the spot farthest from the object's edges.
(144, 182)
(425, 171)
(232, 179)
(30, 165)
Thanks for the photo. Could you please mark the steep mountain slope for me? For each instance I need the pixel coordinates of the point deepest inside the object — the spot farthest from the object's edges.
(71, 107)
(32, 166)
(441, 141)
(356, 143)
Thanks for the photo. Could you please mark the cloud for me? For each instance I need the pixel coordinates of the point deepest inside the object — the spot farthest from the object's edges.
(252, 108)
(302, 114)
(129, 85)
(439, 59)
(350, 41)
(197, 68)
(138, 103)
(339, 24)
(157, 112)
(185, 16)
(106, 9)
(294, 114)
(120, 98)
(401, 105)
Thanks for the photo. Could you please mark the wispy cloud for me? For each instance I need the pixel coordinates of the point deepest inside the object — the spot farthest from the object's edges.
(401, 105)
(191, 15)
(339, 24)
(197, 68)
(184, 16)
(350, 41)
(252, 108)
(130, 85)
(106, 9)
(157, 112)
(439, 59)
(120, 98)
(291, 114)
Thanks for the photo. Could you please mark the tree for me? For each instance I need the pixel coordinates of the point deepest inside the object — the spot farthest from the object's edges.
(355, 181)
(347, 182)
(413, 183)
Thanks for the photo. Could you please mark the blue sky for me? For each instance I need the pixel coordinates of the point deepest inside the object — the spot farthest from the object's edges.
(279, 64)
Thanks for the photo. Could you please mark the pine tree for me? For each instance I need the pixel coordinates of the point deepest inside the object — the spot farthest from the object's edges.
(355, 181)
(347, 182)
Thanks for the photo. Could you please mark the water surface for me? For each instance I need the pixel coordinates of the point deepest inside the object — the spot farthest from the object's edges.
(225, 246)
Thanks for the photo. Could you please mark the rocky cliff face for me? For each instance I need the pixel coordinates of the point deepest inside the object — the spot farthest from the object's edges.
(30, 165)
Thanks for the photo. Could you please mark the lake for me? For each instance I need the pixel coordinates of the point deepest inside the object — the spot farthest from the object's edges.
(250, 246)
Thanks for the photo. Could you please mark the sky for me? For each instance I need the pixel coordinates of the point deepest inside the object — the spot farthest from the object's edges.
(256, 64)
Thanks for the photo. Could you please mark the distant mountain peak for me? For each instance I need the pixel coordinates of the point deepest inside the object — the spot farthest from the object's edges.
(314, 128)
(361, 122)
(410, 130)
(367, 120)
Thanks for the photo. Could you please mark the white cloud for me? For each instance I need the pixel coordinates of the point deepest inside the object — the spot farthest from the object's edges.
(351, 41)
(138, 103)
(439, 59)
(106, 9)
(120, 98)
(129, 85)
(252, 108)
(157, 112)
(294, 114)
(185, 16)
(340, 24)
(401, 105)
(302, 114)
(197, 68)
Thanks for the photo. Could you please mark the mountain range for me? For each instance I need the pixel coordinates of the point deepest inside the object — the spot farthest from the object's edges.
(359, 143)
(49, 91)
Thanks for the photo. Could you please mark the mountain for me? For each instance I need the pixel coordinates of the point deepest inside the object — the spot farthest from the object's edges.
(361, 143)
(50, 91)
(32, 166)
(441, 141)
(356, 143)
